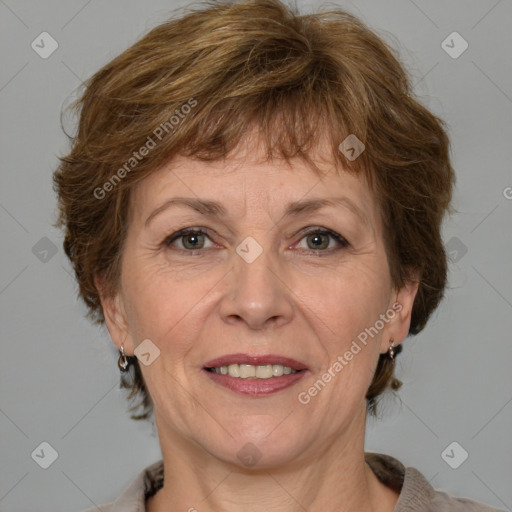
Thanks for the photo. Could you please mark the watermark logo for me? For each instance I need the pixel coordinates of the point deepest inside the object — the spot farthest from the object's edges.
(249, 249)
(44, 45)
(456, 249)
(44, 250)
(249, 455)
(147, 352)
(454, 455)
(351, 147)
(151, 143)
(454, 45)
(304, 397)
(44, 455)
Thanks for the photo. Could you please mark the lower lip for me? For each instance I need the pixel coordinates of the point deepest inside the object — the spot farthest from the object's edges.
(256, 387)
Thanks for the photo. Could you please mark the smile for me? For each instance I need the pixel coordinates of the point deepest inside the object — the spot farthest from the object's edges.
(249, 371)
(255, 375)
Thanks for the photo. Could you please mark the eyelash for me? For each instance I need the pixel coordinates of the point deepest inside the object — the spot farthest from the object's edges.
(315, 231)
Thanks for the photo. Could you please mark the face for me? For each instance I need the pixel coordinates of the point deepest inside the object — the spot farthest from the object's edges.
(264, 281)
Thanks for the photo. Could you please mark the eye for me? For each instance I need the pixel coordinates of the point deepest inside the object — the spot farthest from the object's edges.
(317, 240)
(191, 239)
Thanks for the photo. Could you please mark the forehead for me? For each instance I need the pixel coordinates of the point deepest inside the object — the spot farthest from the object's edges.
(246, 182)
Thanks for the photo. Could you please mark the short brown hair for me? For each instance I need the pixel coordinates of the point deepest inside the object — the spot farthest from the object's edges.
(256, 63)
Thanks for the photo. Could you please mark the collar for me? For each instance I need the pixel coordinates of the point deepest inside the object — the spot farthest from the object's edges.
(409, 482)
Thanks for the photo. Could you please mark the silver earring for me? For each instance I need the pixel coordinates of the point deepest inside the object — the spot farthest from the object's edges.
(123, 362)
(391, 350)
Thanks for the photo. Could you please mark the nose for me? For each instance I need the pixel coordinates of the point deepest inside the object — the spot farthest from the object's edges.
(257, 293)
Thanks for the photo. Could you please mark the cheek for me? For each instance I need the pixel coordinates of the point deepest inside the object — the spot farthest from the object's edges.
(347, 302)
(344, 326)
(160, 302)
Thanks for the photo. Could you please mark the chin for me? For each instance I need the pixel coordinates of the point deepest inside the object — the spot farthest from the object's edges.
(270, 449)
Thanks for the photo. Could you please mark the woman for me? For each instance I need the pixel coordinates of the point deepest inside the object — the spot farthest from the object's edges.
(252, 206)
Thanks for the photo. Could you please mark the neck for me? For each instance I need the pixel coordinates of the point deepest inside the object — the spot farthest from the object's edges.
(335, 478)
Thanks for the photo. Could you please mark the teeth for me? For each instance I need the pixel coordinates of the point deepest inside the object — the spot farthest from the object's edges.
(277, 370)
(264, 372)
(233, 370)
(248, 371)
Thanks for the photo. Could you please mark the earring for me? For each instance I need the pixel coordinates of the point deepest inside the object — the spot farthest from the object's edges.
(391, 350)
(123, 362)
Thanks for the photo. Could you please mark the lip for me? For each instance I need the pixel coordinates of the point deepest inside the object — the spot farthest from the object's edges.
(255, 360)
(256, 387)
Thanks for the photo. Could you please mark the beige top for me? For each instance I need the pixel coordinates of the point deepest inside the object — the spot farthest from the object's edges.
(416, 494)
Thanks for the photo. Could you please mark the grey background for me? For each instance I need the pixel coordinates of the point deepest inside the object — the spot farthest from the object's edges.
(59, 379)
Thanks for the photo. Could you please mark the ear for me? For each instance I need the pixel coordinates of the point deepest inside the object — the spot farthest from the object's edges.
(403, 300)
(115, 316)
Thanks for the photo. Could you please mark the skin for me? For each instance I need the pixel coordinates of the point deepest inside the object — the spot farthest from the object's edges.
(295, 300)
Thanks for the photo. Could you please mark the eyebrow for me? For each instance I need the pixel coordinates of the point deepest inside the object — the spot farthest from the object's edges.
(294, 209)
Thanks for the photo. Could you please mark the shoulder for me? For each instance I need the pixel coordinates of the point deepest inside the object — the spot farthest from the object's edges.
(133, 498)
(104, 507)
(416, 493)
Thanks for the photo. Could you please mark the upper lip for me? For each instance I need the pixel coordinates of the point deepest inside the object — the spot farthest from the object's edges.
(255, 360)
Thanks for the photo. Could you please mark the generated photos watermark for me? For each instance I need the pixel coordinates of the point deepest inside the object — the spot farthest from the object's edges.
(152, 141)
(341, 361)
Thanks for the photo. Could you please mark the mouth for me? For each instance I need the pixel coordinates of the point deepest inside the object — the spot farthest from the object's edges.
(255, 375)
